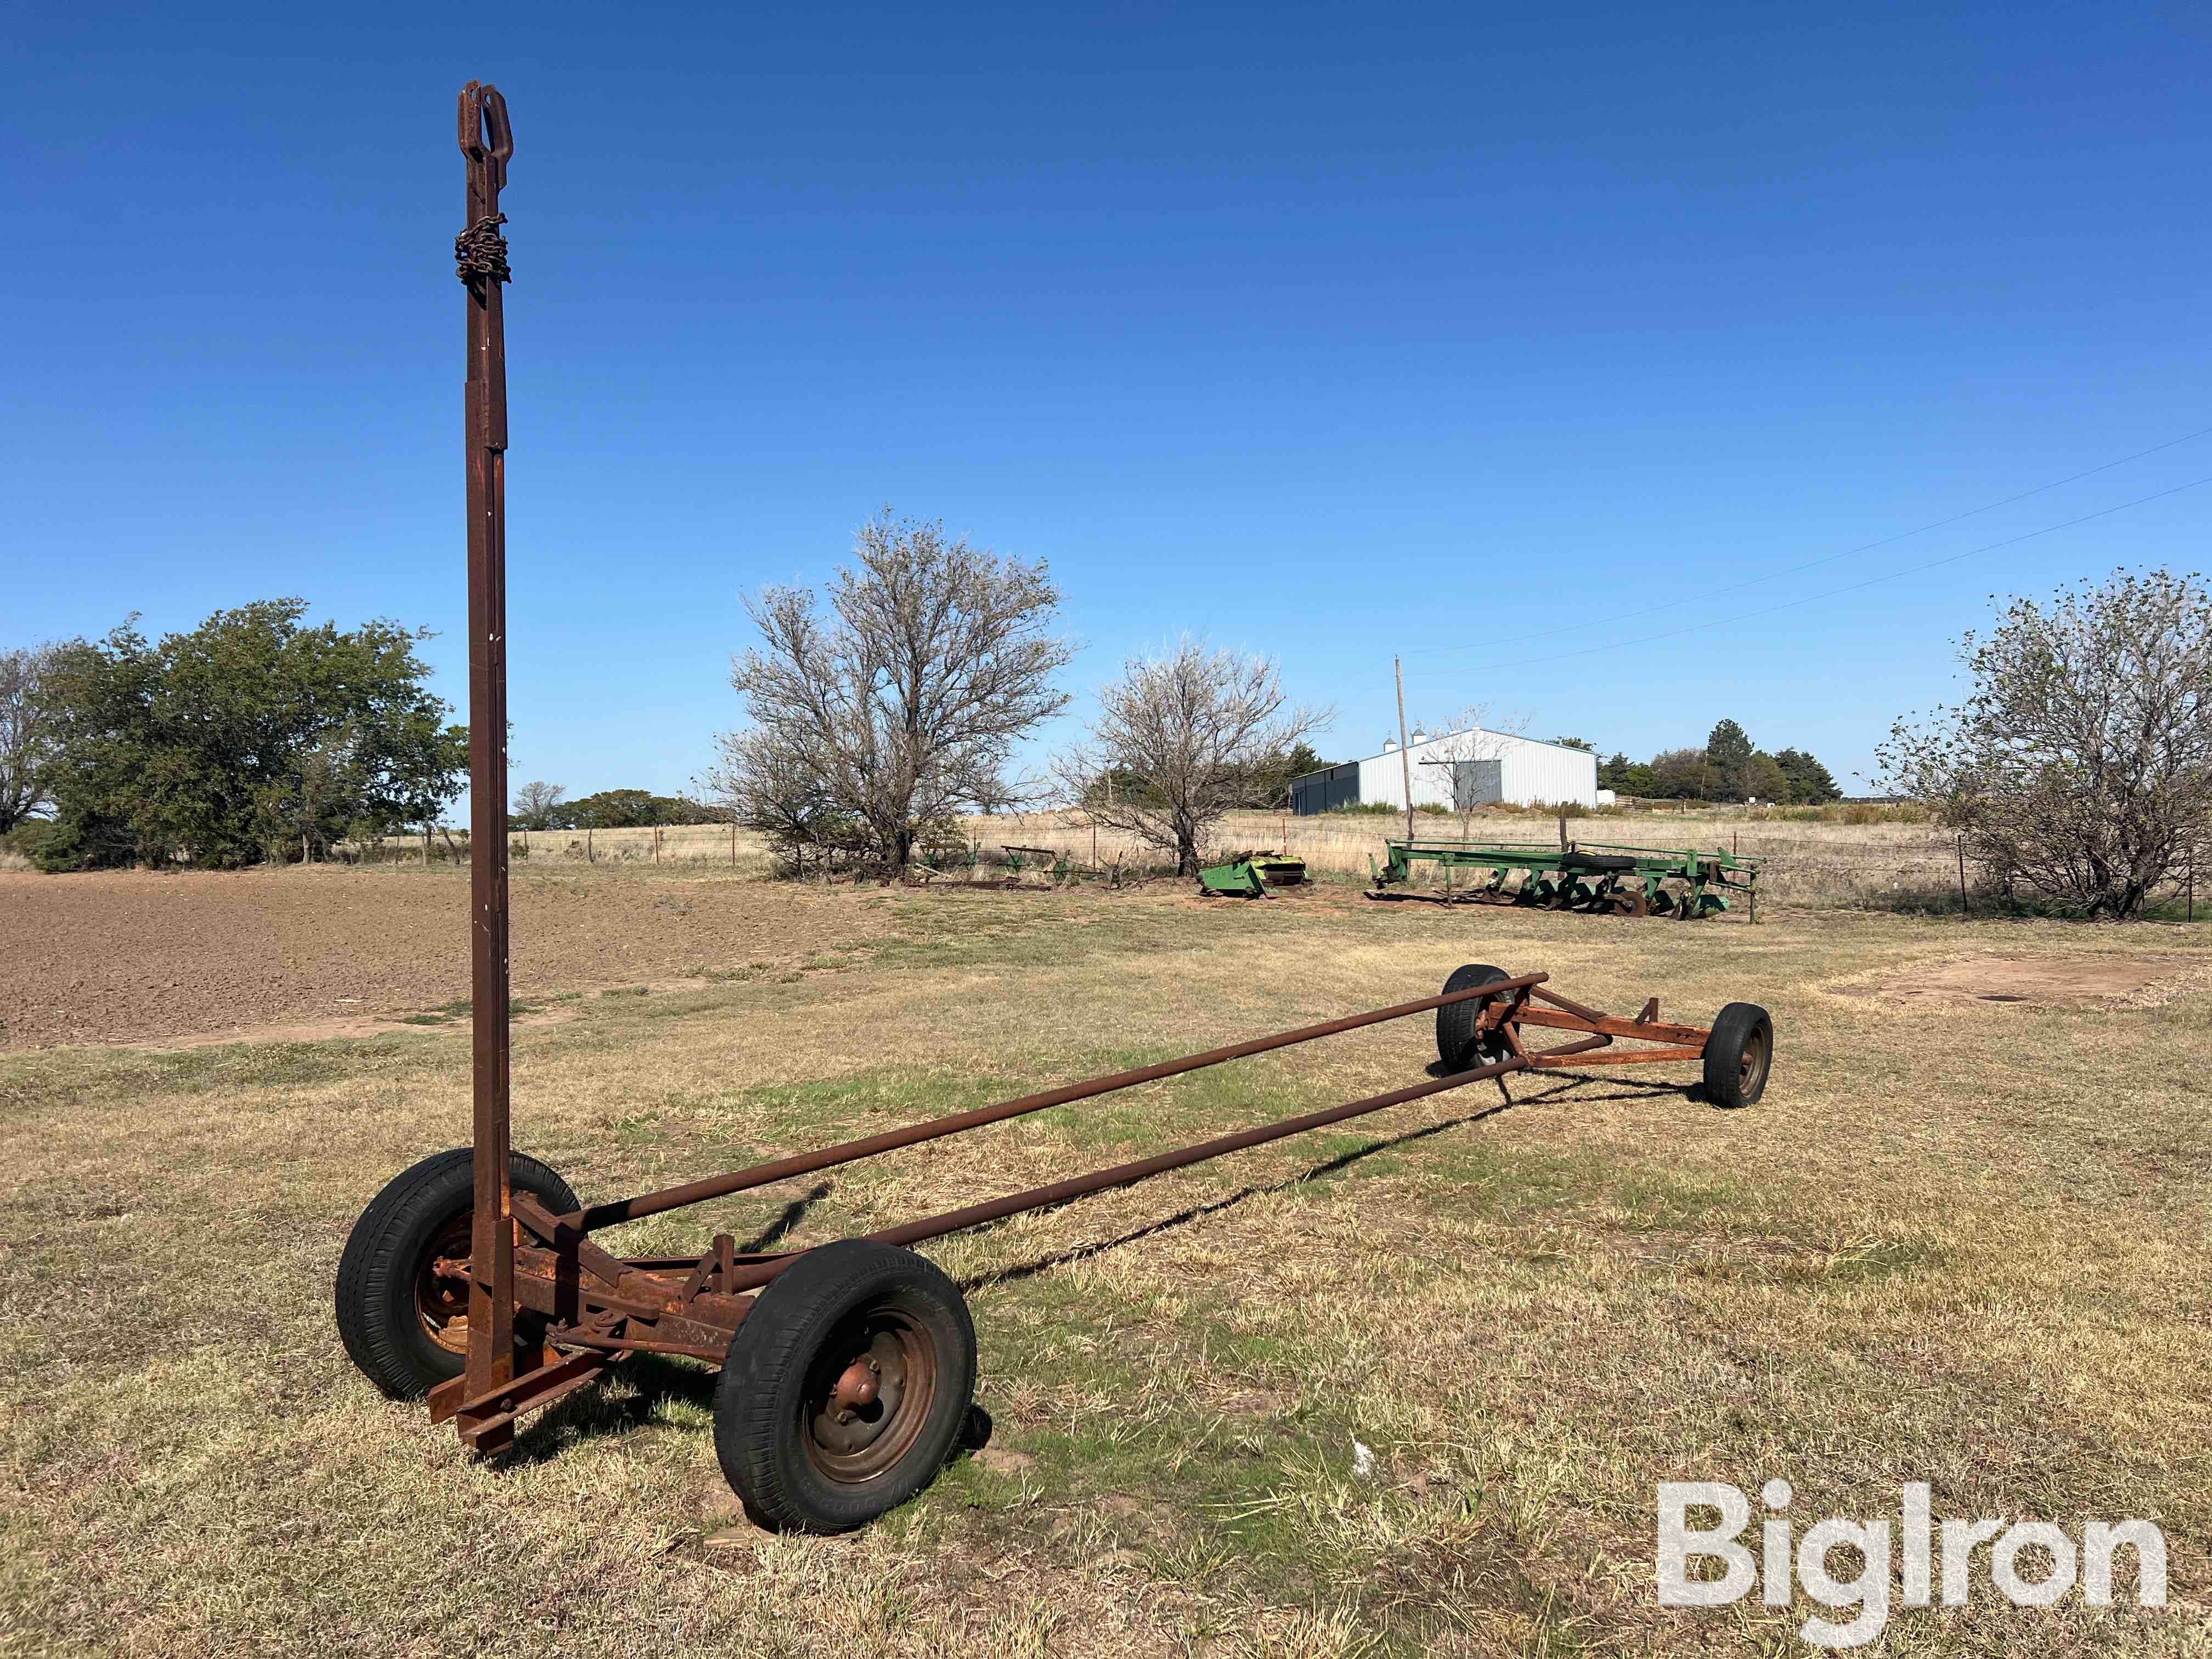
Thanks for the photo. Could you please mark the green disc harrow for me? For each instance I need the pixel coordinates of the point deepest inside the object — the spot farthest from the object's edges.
(1630, 881)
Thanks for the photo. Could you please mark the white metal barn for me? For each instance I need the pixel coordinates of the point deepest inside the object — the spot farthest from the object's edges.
(1460, 770)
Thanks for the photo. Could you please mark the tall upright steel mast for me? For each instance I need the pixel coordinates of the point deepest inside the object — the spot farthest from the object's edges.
(480, 253)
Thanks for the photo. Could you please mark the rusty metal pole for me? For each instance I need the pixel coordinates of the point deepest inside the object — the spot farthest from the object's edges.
(480, 255)
(1405, 765)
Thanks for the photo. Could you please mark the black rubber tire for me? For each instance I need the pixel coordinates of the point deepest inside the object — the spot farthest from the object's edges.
(1598, 863)
(778, 1364)
(1458, 1044)
(378, 1320)
(1738, 1056)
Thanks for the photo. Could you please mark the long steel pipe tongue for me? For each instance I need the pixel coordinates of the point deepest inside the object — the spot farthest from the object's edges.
(697, 1192)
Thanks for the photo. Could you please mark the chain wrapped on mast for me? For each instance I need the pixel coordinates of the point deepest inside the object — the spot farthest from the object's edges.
(480, 252)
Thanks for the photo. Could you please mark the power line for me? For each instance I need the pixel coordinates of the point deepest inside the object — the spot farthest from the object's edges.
(1705, 593)
(1849, 587)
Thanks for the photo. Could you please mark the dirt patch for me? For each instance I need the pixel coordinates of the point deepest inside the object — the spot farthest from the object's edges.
(2140, 980)
(307, 955)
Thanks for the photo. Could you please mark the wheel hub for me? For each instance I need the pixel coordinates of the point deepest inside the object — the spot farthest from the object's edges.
(877, 1384)
(442, 1295)
(442, 1282)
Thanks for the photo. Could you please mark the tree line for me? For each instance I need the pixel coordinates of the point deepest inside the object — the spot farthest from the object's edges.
(1728, 768)
(546, 806)
(2080, 765)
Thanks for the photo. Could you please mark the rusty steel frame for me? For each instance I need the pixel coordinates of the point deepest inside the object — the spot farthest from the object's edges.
(591, 1307)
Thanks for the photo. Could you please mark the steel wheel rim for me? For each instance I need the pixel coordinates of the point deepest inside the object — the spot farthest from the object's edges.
(441, 1300)
(1751, 1064)
(852, 1444)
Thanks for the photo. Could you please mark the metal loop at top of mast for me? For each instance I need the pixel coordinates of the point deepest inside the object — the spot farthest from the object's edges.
(486, 136)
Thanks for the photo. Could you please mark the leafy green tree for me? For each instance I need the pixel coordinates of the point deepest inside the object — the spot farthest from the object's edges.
(1811, 784)
(249, 735)
(1679, 774)
(1626, 777)
(1573, 743)
(628, 809)
(1764, 781)
(1728, 753)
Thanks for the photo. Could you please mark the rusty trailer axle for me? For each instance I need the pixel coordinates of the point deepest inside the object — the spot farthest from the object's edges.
(847, 1369)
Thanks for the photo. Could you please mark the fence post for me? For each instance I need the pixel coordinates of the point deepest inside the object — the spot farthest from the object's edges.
(1961, 842)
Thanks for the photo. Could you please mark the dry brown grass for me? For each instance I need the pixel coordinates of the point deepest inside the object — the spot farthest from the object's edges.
(1853, 866)
(1962, 1242)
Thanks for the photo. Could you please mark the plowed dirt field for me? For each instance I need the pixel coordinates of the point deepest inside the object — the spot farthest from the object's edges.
(151, 958)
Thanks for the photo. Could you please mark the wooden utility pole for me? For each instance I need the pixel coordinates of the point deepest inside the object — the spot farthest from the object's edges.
(1405, 762)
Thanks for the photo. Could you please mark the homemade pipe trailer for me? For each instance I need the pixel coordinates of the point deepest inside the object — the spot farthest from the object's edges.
(847, 1369)
(474, 1280)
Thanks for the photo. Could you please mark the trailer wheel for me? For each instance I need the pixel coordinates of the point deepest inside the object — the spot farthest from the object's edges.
(1738, 1056)
(403, 1323)
(1460, 1044)
(844, 1388)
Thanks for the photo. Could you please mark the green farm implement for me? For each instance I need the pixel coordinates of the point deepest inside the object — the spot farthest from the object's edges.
(1249, 875)
(1628, 881)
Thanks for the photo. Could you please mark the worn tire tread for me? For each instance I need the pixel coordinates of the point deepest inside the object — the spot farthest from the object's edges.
(776, 1341)
(1731, 1028)
(1456, 1021)
(362, 1288)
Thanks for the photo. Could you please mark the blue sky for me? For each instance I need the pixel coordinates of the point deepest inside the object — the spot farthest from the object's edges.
(1329, 332)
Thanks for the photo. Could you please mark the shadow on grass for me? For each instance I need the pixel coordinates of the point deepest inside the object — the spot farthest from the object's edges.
(649, 1382)
(787, 1218)
(655, 1380)
(1567, 1083)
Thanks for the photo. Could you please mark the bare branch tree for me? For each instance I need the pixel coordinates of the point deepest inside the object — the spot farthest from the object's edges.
(534, 803)
(2082, 764)
(902, 708)
(777, 792)
(28, 731)
(1183, 739)
(1464, 743)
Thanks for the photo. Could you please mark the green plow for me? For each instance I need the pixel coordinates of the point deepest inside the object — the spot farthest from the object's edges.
(1628, 881)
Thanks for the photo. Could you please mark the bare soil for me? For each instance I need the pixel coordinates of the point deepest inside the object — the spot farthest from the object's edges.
(2065, 979)
(307, 955)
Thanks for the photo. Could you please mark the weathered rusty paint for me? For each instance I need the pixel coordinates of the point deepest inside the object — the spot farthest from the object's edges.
(486, 142)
